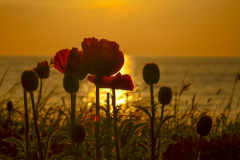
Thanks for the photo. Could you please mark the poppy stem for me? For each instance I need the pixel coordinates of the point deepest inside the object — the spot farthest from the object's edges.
(199, 141)
(97, 123)
(109, 150)
(161, 118)
(115, 124)
(26, 122)
(9, 118)
(39, 97)
(36, 127)
(73, 110)
(108, 113)
(152, 123)
(162, 112)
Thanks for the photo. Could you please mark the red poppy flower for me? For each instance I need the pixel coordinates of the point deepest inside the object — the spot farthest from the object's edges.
(102, 57)
(42, 69)
(118, 81)
(70, 62)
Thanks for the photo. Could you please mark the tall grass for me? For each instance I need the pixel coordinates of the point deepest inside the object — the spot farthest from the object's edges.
(176, 136)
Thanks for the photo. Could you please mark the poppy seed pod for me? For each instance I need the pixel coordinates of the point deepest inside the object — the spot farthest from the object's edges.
(9, 106)
(151, 73)
(78, 133)
(165, 95)
(70, 83)
(29, 80)
(204, 125)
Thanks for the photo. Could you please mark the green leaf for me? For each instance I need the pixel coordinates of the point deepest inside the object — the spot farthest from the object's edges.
(49, 137)
(61, 156)
(145, 110)
(135, 128)
(124, 122)
(164, 144)
(18, 143)
(159, 126)
(64, 134)
(131, 136)
(66, 141)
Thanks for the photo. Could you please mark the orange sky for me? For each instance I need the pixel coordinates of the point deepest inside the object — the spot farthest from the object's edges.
(140, 27)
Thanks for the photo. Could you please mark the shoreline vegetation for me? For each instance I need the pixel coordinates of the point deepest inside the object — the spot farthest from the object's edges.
(29, 129)
(180, 140)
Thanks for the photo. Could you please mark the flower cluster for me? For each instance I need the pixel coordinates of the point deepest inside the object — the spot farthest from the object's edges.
(99, 57)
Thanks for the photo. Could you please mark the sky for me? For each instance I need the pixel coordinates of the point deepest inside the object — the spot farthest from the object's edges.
(140, 27)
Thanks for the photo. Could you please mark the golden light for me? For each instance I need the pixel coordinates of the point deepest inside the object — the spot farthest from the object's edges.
(108, 4)
(121, 95)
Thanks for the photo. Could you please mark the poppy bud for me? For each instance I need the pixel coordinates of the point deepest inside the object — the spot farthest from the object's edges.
(29, 80)
(42, 69)
(204, 125)
(78, 133)
(70, 83)
(151, 73)
(9, 106)
(165, 95)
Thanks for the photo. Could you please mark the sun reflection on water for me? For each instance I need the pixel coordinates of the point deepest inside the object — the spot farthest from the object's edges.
(121, 95)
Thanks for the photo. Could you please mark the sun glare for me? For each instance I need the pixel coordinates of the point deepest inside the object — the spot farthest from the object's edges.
(121, 95)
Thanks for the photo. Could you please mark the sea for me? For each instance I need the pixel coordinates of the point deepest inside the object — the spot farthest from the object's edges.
(211, 80)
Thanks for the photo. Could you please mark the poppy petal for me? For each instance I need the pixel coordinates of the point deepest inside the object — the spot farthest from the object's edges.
(42, 69)
(118, 81)
(75, 64)
(61, 59)
(104, 83)
(124, 83)
(102, 57)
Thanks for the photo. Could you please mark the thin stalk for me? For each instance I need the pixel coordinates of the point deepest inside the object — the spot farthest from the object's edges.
(73, 113)
(108, 153)
(108, 113)
(39, 97)
(228, 108)
(152, 123)
(26, 122)
(175, 111)
(162, 112)
(77, 145)
(10, 126)
(115, 124)
(199, 141)
(161, 118)
(76, 149)
(97, 123)
(36, 128)
(73, 109)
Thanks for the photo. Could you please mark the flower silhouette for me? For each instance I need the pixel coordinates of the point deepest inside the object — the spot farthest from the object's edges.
(118, 81)
(70, 62)
(42, 69)
(102, 57)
